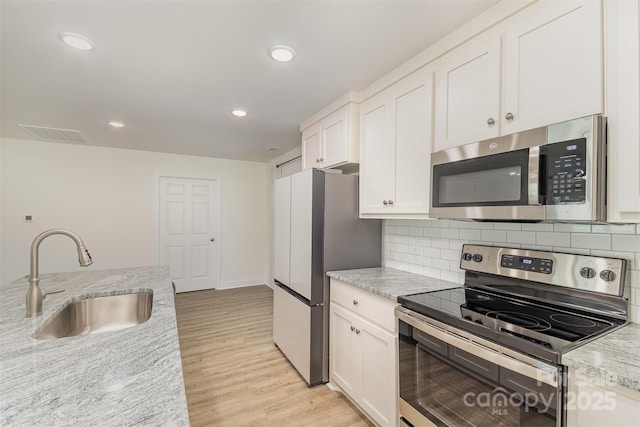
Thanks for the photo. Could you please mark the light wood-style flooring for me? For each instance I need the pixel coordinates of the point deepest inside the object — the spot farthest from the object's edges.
(235, 376)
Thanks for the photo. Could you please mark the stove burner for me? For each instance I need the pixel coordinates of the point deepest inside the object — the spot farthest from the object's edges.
(579, 322)
(523, 320)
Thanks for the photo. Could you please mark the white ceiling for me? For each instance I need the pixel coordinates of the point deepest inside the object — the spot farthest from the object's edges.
(172, 70)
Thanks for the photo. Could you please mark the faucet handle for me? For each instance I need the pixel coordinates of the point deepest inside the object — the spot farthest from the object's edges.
(55, 291)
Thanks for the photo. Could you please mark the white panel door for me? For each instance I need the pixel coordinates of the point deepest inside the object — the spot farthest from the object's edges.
(301, 216)
(187, 219)
(553, 64)
(282, 229)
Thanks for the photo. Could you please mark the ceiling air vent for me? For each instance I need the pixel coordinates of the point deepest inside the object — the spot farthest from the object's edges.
(53, 134)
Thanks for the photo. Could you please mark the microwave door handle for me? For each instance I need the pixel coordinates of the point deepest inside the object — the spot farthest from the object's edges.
(535, 177)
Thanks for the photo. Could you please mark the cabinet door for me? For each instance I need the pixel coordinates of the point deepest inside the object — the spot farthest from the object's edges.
(553, 64)
(377, 154)
(343, 360)
(301, 220)
(312, 147)
(594, 404)
(282, 228)
(379, 389)
(468, 93)
(334, 138)
(623, 110)
(413, 106)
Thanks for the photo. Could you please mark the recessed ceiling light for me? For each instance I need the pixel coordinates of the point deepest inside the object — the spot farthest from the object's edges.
(238, 112)
(116, 124)
(282, 53)
(77, 41)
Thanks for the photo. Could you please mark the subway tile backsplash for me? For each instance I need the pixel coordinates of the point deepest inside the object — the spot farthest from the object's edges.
(433, 247)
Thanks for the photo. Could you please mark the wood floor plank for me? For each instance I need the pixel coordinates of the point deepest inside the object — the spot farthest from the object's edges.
(235, 376)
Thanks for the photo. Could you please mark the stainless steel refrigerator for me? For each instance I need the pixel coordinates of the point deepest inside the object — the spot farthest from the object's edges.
(316, 230)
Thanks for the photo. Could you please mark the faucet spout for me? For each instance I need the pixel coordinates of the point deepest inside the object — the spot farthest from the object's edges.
(34, 294)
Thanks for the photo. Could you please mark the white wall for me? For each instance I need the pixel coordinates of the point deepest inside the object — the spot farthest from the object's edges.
(109, 197)
(432, 247)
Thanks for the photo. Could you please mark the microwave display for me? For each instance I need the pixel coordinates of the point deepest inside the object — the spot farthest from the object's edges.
(566, 177)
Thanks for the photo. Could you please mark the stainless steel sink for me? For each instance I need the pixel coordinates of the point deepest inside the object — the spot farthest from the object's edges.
(99, 314)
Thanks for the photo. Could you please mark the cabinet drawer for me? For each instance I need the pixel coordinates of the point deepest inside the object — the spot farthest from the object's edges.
(375, 308)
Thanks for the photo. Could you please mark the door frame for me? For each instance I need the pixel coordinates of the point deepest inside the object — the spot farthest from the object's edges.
(216, 223)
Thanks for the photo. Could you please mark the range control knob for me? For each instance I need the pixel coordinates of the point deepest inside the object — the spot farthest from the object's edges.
(477, 257)
(607, 275)
(587, 272)
(466, 256)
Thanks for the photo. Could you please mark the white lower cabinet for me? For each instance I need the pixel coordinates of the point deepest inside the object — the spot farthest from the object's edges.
(363, 361)
(596, 402)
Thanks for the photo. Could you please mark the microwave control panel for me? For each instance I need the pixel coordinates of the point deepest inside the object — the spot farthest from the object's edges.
(566, 171)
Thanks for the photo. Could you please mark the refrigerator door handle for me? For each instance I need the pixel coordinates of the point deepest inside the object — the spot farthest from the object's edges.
(293, 293)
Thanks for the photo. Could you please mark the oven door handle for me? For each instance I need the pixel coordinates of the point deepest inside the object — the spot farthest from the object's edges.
(533, 179)
(470, 344)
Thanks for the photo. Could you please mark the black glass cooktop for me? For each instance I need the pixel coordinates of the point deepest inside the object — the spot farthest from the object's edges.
(533, 322)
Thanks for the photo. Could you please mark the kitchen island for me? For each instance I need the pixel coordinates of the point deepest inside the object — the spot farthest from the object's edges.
(130, 377)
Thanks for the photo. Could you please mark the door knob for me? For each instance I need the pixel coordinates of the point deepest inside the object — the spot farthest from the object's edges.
(212, 239)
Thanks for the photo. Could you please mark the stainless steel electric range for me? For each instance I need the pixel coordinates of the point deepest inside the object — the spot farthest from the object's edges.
(488, 353)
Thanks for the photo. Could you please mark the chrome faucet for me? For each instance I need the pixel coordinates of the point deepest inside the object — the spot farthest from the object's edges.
(34, 294)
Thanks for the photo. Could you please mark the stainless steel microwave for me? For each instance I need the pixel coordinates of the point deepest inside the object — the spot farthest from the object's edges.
(552, 173)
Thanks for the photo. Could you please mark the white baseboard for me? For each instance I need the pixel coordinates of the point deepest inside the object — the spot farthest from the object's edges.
(242, 283)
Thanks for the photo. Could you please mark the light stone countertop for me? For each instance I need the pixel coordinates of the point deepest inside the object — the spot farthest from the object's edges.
(613, 357)
(131, 377)
(390, 283)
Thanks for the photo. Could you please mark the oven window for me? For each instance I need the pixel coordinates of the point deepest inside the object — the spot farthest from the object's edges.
(449, 386)
(496, 180)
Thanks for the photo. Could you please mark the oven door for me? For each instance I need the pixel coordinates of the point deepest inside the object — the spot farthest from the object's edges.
(447, 380)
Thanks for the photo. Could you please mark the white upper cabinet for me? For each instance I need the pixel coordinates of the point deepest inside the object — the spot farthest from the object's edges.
(468, 99)
(312, 147)
(622, 84)
(552, 64)
(395, 133)
(332, 141)
(541, 66)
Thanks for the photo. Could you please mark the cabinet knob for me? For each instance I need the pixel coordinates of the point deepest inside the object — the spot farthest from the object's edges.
(321, 159)
(509, 116)
(317, 160)
(384, 202)
(358, 331)
(490, 121)
(355, 302)
(390, 202)
(352, 328)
